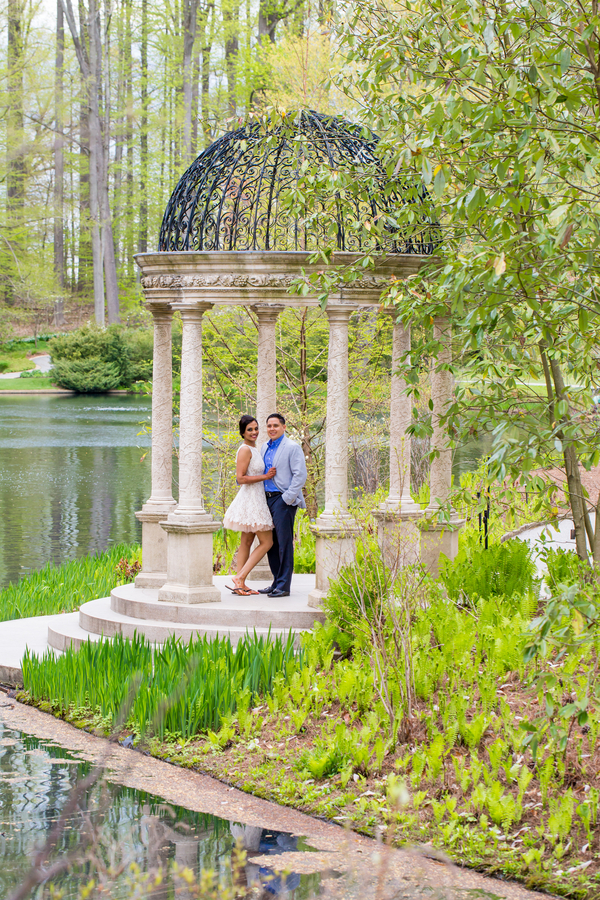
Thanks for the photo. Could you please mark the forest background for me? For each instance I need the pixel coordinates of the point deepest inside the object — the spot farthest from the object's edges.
(105, 105)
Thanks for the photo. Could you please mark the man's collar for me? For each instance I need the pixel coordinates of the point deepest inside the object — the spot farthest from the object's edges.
(277, 442)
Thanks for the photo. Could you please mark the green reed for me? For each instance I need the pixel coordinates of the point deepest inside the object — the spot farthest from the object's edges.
(177, 687)
(56, 589)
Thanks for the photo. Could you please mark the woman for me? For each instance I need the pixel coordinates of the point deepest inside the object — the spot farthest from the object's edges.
(249, 512)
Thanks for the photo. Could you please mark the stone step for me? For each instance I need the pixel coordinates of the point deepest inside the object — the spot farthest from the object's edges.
(256, 611)
(67, 632)
(97, 619)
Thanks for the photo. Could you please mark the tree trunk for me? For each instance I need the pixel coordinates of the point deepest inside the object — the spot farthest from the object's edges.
(207, 25)
(119, 133)
(576, 497)
(15, 144)
(103, 250)
(195, 102)
(231, 25)
(190, 11)
(143, 230)
(267, 21)
(129, 219)
(59, 168)
(84, 250)
(311, 480)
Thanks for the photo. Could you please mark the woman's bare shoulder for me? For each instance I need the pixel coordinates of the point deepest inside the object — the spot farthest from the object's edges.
(244, 450)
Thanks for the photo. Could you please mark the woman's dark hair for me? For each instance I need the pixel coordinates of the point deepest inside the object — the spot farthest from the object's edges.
(244, 422)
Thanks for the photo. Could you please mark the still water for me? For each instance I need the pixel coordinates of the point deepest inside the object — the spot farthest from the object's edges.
(71, 477)
(118, 826)
(73, 471)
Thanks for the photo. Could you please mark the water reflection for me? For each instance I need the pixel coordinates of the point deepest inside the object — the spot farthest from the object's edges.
(122, 826)
(71, 477)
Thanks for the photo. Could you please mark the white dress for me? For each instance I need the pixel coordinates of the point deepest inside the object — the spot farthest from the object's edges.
(249, 511)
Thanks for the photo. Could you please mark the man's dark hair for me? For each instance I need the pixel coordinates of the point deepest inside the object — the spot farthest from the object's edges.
(276, 416)
(244, 422)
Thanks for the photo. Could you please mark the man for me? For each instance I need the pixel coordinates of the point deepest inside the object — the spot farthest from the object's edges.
(284, 496)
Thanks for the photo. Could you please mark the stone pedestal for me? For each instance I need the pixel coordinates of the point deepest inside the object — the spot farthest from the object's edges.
(154, 547)
(161, 502)
(335, 548)
(190, 562)
(335, 530)
(398, 536)
(439, 538)
(189, 527)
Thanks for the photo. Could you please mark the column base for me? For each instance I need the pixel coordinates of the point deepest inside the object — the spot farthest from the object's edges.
(335, 548)
(398, 534)
(190, 561)
(154, 545)
(438, 538)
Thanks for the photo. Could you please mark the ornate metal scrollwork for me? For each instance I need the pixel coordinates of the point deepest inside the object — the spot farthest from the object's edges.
(232, 197)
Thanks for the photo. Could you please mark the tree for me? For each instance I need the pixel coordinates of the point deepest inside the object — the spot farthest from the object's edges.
(59, 167)
(494, 107)
(87, 40)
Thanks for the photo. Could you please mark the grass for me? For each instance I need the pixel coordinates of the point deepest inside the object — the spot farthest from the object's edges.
(177, 689)
(462, 712)
(25, 384)
(56, 589)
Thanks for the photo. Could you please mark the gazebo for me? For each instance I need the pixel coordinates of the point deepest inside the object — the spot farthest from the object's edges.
(227, 237)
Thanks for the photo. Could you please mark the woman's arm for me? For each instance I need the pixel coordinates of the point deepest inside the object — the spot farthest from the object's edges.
(243, 461)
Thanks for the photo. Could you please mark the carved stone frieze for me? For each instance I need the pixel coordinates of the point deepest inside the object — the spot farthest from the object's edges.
(271, 280)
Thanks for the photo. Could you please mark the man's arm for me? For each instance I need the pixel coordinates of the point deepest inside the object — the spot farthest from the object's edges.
(298, 467)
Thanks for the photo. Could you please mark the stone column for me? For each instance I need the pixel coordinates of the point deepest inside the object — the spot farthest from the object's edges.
(189, 527)
(396, 517)
(266, 394)
(440, 536)
(335, 529)
(161, 502)
(266, 371)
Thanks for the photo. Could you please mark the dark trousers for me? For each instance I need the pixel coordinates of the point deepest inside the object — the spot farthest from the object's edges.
(281, 554)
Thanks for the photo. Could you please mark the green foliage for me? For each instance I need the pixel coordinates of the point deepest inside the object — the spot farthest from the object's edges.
(562, 567)
(94, 360)
(87, 376)
(496, 117)
(56, 589)
(502, 570)
(33, 373)
(178, 688)
(357, 592)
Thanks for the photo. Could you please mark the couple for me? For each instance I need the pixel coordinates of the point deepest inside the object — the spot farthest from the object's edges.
(265, 507)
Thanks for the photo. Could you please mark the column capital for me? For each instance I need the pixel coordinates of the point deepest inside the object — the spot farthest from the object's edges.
(162, 310)
(339, 313)
(267, 313)
(192, 312)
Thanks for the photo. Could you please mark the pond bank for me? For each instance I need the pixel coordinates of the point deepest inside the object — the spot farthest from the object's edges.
(367, 869)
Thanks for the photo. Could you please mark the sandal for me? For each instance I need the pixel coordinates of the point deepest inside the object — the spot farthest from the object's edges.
(243, 592)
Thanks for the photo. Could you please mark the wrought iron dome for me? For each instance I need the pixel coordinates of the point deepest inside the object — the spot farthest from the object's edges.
(231, 196)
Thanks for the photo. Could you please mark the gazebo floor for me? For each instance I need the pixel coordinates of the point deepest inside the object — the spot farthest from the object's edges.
(130, 610)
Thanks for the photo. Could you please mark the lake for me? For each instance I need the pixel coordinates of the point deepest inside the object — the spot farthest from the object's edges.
(71, 477)
(124, 827)
(74, 470)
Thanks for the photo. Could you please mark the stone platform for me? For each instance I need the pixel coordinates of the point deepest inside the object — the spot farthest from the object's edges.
(130, 610)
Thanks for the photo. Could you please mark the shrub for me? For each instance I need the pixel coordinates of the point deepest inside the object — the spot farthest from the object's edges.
(502, 570)
(87, 376)
(4, 365)
(90, 359)
(33, 373)
(564, 567)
